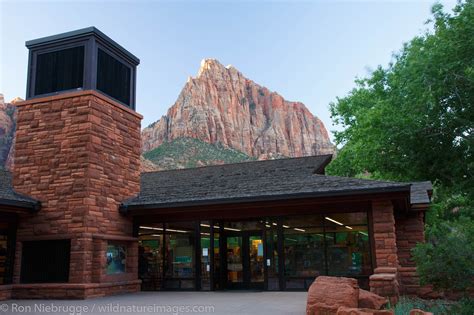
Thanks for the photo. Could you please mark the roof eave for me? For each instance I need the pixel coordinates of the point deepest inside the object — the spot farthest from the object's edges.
(126, 208)
(31, 207)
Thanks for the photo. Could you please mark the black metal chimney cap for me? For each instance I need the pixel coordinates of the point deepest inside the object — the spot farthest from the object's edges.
(83, 32)
(84, 59)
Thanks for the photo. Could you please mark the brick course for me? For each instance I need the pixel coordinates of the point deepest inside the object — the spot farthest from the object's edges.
(384, 281)
(79, 154)
(410, 231)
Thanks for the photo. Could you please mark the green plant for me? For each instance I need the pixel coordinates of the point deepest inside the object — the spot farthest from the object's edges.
(447, 259)
(437, 307)
(190, 152)
(463, 307)
(413, 120)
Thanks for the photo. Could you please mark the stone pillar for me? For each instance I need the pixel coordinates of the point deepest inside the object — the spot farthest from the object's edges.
(79, 154)
(384, 281)
(410, 231)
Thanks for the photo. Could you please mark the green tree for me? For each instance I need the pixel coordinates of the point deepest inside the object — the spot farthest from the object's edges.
(414, 120)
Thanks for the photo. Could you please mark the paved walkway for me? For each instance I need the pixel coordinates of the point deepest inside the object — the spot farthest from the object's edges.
(168, 303)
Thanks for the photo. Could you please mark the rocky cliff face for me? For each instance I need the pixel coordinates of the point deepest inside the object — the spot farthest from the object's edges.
(221, 106)
(7, 131)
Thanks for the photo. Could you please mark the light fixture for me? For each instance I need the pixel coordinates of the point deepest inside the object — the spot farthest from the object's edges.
(151, 228)
(299, 230)
(266, 225)
(231, 229)
(348, 227)
(286, 226)
(363, 233)
(177, 231)
(332, 220)
(274, 223)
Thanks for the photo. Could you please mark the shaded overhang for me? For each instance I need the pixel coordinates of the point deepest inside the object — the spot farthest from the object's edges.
(18, 206)
(276, 204)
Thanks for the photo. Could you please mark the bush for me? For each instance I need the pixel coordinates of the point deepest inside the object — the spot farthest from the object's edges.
(437, 307)
(447, 259)
(405, 305)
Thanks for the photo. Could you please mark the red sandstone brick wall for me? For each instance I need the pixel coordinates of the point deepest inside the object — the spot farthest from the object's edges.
(386, 253)
(384, 281)
(410, 231)
(79, 154)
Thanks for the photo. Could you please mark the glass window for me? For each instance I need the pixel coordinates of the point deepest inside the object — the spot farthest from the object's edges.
(116, 258)
(179, 255)
(113, 77)
(256, 258)
(272, 259)
(217, 258)
(348, 251)
(206, 250)
(150, 260)
(304, 255)
(243, 226)
(59, 70)
(333, 244)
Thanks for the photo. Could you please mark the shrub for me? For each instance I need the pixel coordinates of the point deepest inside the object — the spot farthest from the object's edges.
(447, 259)
(437, 307)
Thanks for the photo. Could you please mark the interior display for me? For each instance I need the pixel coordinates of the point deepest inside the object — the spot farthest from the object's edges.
(150, 260)
(336, 244)
(116, 258)
(284, 253)
(234, 259)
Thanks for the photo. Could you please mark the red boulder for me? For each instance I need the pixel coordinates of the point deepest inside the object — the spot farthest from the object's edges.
(371, 300)
(327, 294)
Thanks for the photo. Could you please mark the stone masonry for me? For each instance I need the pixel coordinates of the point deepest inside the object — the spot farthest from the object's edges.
(410, 231)
(79, 154)
(384, 281)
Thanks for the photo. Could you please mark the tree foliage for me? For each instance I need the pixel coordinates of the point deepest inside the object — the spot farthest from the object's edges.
(414, 120)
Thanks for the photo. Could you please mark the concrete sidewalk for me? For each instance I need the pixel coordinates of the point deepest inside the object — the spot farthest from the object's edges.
(238, 302)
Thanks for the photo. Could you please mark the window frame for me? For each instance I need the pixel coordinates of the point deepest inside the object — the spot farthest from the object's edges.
(95, 70)
(33, 59)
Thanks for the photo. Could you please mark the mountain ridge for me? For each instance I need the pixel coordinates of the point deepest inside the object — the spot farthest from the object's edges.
(221, 105)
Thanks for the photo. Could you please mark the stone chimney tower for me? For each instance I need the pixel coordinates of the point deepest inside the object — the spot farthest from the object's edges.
(78, 152)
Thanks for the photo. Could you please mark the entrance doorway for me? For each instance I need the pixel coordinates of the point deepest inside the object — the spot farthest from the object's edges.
(244, 260)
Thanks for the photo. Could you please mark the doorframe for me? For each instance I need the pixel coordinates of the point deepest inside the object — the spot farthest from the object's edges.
(246, 274)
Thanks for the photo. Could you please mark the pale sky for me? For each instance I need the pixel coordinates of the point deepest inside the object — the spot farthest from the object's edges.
(308, 51)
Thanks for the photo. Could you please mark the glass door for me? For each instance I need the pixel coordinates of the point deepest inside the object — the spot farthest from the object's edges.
(256, 262)
(235, 262)
(245, 261)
